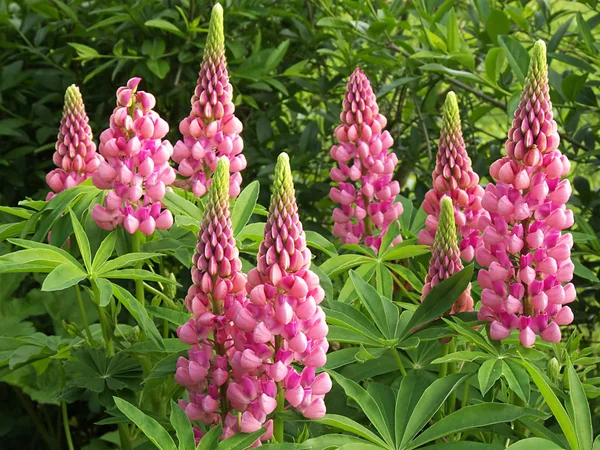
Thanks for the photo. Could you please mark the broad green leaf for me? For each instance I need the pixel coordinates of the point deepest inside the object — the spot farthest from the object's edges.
(384, 397)
(104, 251)
(431, 400)
(381, 309)
(127, 260)
(496, 24)
(84, 52)
(465, 355)
(315, 240)
(494, 63)
(240, 441)
(580, 407)
(489, 372)
(276, 56)
(105, 291)
(62, 256)
(342, 263)
(183, 427)
(518, 58)
(453, 36)
(158, 67)
(244, 206)
(411, 389)
(384, 281)
(553, 402)
(175, 317)
(63, 277)
(43, 257)
(82, 241)
(583, 272)
(165, 25)
(535, 444)
(586, 34)
(179, 205)
(517, 378)
(211, 439)
(392, 232)
(403, 251)
(473, 416)
(350, 355)
(136, 274)
(350, 336)
(440, 68)
(406, 274)
(350, 317)
(441, 297)
(366, 402)
(349, 425)
(558, 35)
(150, 427)
(348, 293)
(539, 430)
(139, 313)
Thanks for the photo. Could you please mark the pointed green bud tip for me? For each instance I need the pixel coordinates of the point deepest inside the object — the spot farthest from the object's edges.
(451, 113)
(446, 230)
(447, 211)
(72, 96)
(220, 180)
(216, 39)
(538, 66)
(283, 182)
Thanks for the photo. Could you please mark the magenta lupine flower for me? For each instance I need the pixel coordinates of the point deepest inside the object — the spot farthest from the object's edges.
(136, 165)
(454, 177)
(285, 296)
(365, 191)
(211, 130)
(75, 157)
(526, 255)
(225, 369)
(445, 256)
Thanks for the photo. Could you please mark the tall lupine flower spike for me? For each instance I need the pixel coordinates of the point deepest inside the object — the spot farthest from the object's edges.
(445, 256)
(211, 130)
(365, 190)
(285, 295)
(136, 165)
(454, 177)
(525, 253)
(75, 155)
(224, 372)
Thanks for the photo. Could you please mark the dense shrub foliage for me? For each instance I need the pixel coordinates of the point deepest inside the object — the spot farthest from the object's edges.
(155, 271)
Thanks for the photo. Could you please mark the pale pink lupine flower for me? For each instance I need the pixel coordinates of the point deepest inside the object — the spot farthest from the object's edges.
(525, 254)
(365, 189)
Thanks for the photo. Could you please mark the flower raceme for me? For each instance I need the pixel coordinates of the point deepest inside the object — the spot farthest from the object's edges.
(211, 130)
(225, 369)
(525, 254)
(135, 165)
(445, 256)
(75, 156)
(454, 177)
(285, 296)
(365, 190)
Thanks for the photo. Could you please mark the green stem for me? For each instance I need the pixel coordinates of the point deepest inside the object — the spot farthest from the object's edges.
(451, 369)
(278, 422)
(65, 420)
(396, 354)
(83, 315)
(518, 401)
(444, 367)
(155, 291)
(136, 242)
(124, 437)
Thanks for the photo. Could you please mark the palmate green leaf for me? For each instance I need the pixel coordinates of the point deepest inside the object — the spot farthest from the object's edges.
(244, 206)
(105, 291)
(137, 274)
(411, 389)
(315, 240)
(465, 445)
(153, 430)
(183, 427)
(489, 372)
(473, 416)
(404, 250)
(82, 241)
(346, 424)
(348, 316)
(368, 405)
(384, 281)
(63, 277)
(472, 335)
(342, 263)
(349, 336)
(104, 251)
(407, 275)
(391, 233)
(384, 397)
(441, 297)
(517, 378)
(581, 417)
(466, 355)
(553, 402)
(535, 444)
(384, 313)
(127, 260)
(431, 400)
(165, 25)
(139, 313)
(348, 293)
(31, 257)
(62, 256)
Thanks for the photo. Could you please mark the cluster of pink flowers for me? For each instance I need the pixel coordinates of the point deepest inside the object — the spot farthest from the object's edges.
(454, 177)
(242, 346)
(363, 155)
(445, 256)
(75, 157)
(226, 366)
(135, 166)
(525, 255)
(212, 130)
(285, 296)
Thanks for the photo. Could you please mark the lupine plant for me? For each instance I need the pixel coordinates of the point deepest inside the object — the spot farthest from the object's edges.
(215, 323)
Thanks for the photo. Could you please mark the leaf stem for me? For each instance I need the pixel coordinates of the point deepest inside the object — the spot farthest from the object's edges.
(136, 242)
(398, 359)
(451, 369)
(83, 315)
(65, 420)
(278, 422)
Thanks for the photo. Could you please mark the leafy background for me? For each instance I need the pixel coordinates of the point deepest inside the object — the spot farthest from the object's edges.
(289, 62)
